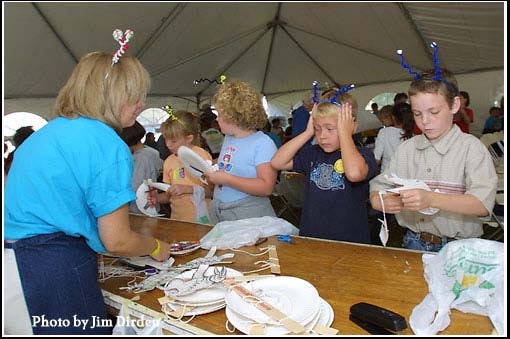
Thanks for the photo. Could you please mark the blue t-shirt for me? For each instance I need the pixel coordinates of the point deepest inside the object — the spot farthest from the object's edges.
(240, 157)
(493, 124)
(64, 177)
(333, 208)
(300, 117)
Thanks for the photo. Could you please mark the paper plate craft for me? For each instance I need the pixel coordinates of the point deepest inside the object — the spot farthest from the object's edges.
(205, 289)
(194, 163)
(408, 184)
(196, 310)
(295, 297)
(159, 185)
(324, 317)
(146, 200)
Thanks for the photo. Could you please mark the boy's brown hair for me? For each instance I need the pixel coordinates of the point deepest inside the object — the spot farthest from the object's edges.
(447, 86)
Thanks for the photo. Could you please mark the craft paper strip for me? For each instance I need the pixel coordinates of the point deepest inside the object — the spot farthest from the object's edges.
(320, 329)
(272, 312)
(165, 300)
(257, 329)
(235, 280)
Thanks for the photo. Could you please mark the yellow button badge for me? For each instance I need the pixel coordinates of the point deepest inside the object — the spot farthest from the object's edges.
(339, 166)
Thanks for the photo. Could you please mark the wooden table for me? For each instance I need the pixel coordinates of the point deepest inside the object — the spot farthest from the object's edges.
(343, 274)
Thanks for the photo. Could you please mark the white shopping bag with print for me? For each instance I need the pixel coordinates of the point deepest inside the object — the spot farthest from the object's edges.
(467, 275)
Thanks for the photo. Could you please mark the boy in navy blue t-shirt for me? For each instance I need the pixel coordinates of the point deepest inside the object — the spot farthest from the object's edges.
(337, 171)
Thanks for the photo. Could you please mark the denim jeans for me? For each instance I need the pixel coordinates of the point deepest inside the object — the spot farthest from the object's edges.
(59, 278)
(412, 241)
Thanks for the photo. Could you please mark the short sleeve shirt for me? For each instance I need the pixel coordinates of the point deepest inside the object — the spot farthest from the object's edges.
(64, 177)
(333, 208)
(240, 157)
(174, 173)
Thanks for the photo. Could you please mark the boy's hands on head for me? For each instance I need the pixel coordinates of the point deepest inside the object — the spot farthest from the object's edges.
(346, 123)
(309, 127)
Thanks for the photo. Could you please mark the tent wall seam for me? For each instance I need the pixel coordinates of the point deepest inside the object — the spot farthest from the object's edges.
(59, 38)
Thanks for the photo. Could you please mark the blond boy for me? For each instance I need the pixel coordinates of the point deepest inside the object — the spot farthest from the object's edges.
(337, 173)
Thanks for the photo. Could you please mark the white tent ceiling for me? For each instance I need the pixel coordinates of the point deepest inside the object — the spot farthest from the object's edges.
(280, 48)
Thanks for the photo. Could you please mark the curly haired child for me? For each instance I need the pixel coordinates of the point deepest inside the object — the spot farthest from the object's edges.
(245, 178)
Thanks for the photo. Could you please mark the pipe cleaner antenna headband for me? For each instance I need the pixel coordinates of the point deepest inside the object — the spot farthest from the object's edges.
(437, 70)
(122, 39)
(220, 82)
(170, 112)
(344, 89)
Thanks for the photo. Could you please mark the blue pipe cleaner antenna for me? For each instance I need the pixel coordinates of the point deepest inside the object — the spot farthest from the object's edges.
(344, 89)
(403, 63)
(315, 92)
(437, 69)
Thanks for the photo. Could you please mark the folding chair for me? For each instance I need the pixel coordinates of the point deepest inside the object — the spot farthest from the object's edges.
(288, 195)
(497, 228)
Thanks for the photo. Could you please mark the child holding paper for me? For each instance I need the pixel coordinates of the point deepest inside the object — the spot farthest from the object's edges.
(455, 163)
(183, 129)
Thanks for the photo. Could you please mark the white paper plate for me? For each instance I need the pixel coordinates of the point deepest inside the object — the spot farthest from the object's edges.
(193, 162)
(327, 314)
(296, 298)
(198, 310)
(141, 202)
(323, 317)
(210, 295)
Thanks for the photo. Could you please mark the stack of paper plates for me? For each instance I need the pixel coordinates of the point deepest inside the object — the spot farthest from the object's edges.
(296, 298)
(204, 300)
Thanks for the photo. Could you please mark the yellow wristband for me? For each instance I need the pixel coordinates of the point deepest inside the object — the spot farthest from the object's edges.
(156, 251)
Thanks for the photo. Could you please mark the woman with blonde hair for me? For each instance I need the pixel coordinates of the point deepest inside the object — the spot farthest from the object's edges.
(67, 200)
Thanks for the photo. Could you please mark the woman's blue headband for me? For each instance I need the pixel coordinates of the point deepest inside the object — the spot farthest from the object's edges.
(333, 99)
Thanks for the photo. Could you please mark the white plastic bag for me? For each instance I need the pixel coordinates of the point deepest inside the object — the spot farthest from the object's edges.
(127, 326)
(198, 199)
(245, 232)
(467, 275)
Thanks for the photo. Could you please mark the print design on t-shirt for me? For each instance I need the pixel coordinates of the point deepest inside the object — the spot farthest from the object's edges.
(326, 178)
